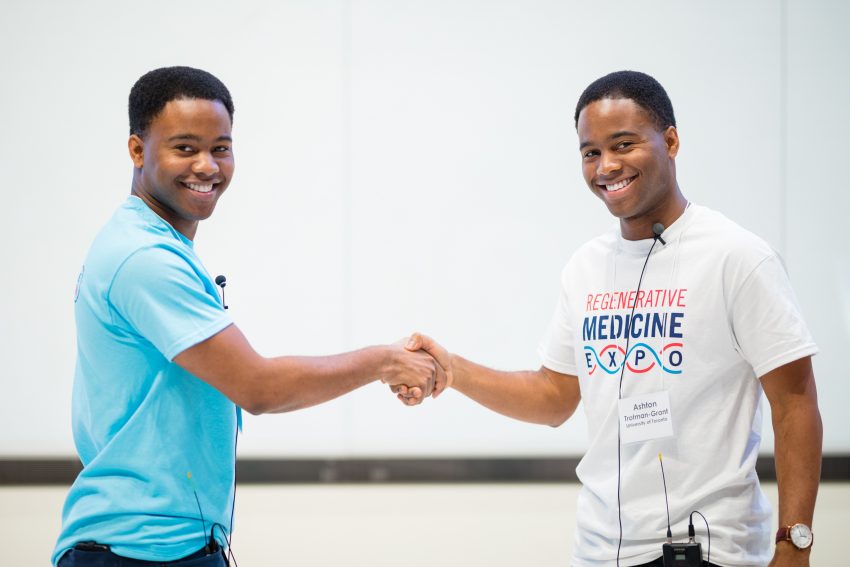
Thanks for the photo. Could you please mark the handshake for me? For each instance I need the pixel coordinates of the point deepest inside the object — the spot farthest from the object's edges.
(418, 367)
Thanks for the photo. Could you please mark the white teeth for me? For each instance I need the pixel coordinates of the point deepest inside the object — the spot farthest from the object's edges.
(200, 188)
(620, 185)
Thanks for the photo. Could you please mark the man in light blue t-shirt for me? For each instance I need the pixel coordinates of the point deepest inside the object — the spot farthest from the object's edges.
(162, 372)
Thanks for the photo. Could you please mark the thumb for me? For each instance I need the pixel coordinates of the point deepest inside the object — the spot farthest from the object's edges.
(414, 343)
(445, 378)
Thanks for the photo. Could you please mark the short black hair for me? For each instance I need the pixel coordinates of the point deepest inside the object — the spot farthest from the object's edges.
(157, 88)
(644, 90)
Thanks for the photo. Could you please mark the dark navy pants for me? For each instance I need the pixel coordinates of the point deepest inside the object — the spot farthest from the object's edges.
(105, 558)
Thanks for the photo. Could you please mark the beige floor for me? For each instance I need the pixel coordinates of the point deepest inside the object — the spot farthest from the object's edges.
(389, 525)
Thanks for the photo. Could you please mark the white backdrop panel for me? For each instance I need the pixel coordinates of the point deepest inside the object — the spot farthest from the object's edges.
(408, 165)
(819, 197)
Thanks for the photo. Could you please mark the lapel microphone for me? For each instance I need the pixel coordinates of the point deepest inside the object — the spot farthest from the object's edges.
(657, 228)
(221, 281)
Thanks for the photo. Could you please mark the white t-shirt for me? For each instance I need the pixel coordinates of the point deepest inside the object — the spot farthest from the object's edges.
(715, 312)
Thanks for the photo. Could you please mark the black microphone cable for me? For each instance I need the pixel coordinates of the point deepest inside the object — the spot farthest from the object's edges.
(211, 545)
(233, 504)
(221, 281)
(657, 229)
(692, 532)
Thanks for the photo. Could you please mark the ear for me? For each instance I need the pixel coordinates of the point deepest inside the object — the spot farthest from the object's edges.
(671, 138)
(137, 150)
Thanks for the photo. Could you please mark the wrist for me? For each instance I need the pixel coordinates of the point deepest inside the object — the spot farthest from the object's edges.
(459, 371)
(795, 537)
(384, 357)
(787, 546)
(787, 551)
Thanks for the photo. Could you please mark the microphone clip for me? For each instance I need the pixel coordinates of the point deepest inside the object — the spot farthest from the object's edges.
(658, 229)
(221, 281)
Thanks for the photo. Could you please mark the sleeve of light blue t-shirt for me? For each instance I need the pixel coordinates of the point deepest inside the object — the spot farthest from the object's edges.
(163, 297)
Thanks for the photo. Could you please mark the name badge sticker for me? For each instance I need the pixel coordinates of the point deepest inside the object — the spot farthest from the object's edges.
(645, 417)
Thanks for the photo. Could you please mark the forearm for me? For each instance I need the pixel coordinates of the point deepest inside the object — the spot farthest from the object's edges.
(798, 437)
(260, 385)
(798, 434)
(289, 383)
(534, 396)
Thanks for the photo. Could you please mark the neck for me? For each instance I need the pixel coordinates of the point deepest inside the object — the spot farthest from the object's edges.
(186, 228)
(640, 228)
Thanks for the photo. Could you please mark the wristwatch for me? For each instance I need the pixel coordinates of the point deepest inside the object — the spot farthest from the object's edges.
(799, 534)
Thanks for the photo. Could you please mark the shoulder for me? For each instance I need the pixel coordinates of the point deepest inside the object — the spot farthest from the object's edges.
(594, 249)
(135, 236)
(155, 260)
(137, 253)
(586, 261)
(712, 234)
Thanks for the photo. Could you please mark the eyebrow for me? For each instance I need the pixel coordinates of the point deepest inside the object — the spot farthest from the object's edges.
(621, 133)
(195, 138)
(614, 136)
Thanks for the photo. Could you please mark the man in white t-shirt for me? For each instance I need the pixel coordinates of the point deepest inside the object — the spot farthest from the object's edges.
(668, 328)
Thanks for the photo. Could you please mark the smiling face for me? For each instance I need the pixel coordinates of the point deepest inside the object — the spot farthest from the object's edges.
(184, 162)
(629, 164)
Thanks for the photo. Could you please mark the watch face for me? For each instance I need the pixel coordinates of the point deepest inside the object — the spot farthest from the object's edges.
(801, 535)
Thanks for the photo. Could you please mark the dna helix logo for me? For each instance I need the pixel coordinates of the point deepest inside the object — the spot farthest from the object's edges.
(640, 359)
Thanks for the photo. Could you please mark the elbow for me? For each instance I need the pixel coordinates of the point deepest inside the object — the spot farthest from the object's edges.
(257, 392)
(259, 401)
(561, 415)
(253, 404)
(253, 407)
(558, 420)
(253, 398)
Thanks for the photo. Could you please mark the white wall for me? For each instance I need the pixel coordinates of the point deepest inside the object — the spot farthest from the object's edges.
(409, 165)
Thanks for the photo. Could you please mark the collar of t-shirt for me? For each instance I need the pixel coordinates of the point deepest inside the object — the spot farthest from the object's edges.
(671, 234)
(148, 214)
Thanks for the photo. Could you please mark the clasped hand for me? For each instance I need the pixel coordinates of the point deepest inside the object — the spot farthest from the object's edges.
(412, 383)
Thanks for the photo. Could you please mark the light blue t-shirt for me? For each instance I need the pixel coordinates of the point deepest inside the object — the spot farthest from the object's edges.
(141, 423)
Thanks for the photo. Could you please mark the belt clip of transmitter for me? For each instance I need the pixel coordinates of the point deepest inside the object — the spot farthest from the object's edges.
(688, 554)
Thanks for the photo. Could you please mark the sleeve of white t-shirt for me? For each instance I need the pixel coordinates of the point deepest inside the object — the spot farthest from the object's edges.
(557, 349)
(161, 296)
(767, 324)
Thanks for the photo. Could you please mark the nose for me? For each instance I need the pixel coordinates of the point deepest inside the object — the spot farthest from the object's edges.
(205, 164)
(607, 164)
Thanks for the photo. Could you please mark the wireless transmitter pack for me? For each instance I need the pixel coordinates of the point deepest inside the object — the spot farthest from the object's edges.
(682, 554)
